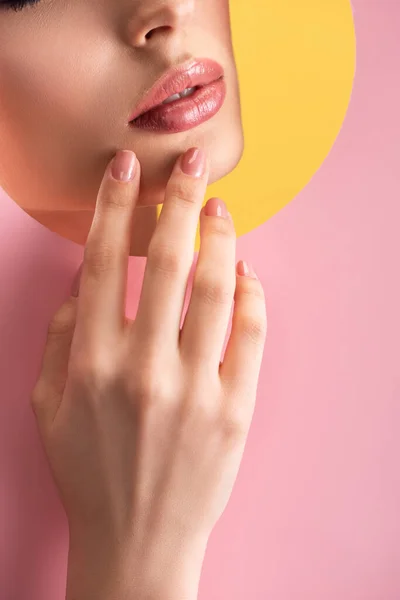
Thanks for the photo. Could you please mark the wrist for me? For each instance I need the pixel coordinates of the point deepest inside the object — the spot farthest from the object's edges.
(105, 570)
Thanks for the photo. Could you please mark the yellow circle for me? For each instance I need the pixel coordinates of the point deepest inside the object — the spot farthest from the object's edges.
(296, 65)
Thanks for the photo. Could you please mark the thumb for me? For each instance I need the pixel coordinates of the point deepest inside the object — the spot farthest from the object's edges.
(76, 282)
(49, 389)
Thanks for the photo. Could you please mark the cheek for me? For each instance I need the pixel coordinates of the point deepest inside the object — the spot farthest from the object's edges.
(40, 103)
(43, 91)
(49, 95)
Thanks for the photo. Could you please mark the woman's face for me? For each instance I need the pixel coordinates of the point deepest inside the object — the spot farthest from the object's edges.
(71, 74)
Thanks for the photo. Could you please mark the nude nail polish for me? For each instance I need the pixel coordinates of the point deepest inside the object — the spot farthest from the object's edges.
(193, 162)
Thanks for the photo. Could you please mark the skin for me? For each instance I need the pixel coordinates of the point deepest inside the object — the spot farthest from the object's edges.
(71, 73)
(144, 426)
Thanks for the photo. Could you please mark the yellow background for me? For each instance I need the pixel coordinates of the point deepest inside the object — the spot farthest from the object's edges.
(296, 65)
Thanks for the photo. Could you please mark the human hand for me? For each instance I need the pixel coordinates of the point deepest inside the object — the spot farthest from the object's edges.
(143, 426)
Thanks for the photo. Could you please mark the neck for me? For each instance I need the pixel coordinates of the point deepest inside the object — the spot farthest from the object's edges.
(75, 225)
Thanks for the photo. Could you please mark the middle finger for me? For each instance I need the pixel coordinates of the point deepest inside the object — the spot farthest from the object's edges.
(171, 251)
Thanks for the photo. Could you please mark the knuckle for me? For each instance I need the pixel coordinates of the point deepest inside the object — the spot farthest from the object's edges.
(234, 428)
(163, 257)
(248, 286)
(220, 227)
(116, 197)
(147, 390)
(99, 257)
(253, 328)
(212, 290)
(62, 322)
(94, 372)
(201, 416)
(180, 193)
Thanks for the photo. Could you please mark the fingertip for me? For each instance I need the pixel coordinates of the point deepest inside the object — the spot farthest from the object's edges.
(245, 269)
(194, 162)
(124, 166)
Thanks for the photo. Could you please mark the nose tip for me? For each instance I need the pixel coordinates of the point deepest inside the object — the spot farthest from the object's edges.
(163, 21)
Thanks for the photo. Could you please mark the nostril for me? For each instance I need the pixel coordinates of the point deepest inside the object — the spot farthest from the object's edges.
(150, 33)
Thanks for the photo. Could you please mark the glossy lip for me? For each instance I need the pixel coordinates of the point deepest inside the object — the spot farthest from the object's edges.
(193, 73)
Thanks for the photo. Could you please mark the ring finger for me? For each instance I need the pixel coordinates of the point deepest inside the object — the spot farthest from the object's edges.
(207, 318)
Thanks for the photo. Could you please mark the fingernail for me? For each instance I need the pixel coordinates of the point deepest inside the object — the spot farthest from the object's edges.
(123, 166)
(76, 282)
(245, 269)
(216, 207)
(193, 162)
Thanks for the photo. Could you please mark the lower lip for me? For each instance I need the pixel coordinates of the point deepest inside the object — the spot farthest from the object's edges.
(185, 113)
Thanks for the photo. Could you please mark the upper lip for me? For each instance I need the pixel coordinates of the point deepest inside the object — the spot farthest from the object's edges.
(194, 72)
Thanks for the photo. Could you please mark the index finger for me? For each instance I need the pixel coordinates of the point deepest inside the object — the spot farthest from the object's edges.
(101, 304)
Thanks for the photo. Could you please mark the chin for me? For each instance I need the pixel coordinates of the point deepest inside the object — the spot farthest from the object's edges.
(224, 154)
